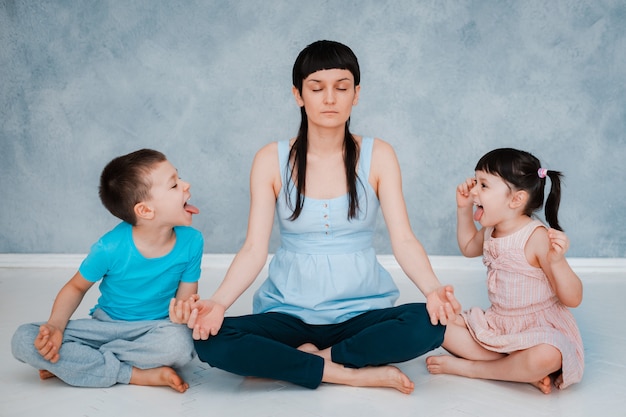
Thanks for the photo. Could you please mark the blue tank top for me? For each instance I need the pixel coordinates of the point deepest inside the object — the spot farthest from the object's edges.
(325, 270)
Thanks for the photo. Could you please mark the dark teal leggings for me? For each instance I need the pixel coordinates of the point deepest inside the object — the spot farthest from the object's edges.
(265, 345)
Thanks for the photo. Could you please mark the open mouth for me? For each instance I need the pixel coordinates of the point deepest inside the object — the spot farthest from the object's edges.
(478, 212)
(191, 208)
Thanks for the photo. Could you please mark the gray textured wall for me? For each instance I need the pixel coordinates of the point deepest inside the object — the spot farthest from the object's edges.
(209, 83)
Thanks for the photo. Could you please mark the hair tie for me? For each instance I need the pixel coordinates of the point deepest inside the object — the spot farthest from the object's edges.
(542, 172)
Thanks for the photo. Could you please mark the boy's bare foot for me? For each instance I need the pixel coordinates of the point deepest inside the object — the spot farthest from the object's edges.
(163, 376)
(44, 374)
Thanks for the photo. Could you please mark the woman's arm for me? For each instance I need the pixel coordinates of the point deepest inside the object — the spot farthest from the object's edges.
(265, 185)
(251, 258)
(386, 180)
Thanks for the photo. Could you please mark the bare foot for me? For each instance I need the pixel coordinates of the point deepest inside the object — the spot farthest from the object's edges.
(440, 364)
(163, 376)
(312, 349)
(44, 374)
(387, 376)
(445, 364)
(544, 385)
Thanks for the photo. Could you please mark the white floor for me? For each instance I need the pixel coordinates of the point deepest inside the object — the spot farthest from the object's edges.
(29, 283)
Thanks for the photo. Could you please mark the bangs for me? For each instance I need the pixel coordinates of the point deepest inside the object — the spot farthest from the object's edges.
(325, 55)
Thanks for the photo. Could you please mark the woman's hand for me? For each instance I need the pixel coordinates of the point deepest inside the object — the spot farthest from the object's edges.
(442, 305)
(206, 319)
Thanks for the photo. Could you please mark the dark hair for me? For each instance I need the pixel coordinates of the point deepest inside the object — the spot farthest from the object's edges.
(520, 170)
(318, 56)
(124, 182)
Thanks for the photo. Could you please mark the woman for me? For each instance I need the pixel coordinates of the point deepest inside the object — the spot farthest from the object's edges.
(325, 313)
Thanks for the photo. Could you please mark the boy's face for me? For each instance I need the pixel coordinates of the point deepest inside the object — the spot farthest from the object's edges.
(169, 195)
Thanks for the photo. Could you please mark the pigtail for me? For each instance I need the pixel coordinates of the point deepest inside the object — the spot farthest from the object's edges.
(554, 199)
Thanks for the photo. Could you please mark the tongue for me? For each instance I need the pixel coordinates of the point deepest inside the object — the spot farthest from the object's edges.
(192, 209)
(478, 213)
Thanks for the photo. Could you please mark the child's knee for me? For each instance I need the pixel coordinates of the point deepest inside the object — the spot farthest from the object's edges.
(23, 341)
(179, 345)
(548, 357)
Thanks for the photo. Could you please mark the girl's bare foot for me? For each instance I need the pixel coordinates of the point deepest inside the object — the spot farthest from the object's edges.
(163, 376)
(445, 364)
(44, 374)
(544, 385)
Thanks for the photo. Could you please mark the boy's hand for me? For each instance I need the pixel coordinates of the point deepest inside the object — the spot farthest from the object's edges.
(48, 342)
(206, 319)
(442, 305)
(463, 198)
(180, 310)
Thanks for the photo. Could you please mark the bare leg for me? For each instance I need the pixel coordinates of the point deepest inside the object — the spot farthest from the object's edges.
(533, 365)
(459, 341)
(163, 376)
(374, 376)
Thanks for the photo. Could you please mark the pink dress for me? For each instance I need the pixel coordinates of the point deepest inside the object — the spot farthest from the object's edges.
(524, 311)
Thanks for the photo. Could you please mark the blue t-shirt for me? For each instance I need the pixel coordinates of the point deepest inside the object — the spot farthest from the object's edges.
(137, 288)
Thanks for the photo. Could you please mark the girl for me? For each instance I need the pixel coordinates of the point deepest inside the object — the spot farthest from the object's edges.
(528, 333)
(325, 312)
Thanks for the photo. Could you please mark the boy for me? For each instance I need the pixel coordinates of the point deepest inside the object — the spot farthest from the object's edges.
(147, 262)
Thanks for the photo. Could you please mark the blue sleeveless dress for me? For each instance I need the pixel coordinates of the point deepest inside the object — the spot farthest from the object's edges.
(326, 270)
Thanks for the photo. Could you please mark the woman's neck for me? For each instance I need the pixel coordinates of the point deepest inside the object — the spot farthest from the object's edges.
(325, 141)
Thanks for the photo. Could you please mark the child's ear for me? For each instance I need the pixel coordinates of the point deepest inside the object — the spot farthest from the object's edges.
(144, 211)
(519, 199)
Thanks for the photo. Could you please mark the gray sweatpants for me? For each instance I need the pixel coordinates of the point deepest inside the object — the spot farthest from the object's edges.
(100, 352)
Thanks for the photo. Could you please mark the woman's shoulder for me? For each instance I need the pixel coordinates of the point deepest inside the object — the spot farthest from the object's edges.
(382, 151)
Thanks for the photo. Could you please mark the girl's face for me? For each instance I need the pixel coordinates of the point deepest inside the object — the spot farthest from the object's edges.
(492, 198)
(328, 97)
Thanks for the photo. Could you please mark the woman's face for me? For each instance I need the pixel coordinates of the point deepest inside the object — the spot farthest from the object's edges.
(328, 97)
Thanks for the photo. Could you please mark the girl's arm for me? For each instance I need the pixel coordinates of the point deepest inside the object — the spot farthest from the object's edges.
(469, 237)
(265, 185)
(386, 180)
(546, 249)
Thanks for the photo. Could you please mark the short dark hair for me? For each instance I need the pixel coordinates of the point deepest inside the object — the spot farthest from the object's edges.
(124, 182)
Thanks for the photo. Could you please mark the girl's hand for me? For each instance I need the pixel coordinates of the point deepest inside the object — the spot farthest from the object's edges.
(442, 305)
(559, 244)
(206, 319)
(180, 310)
(463, 198)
